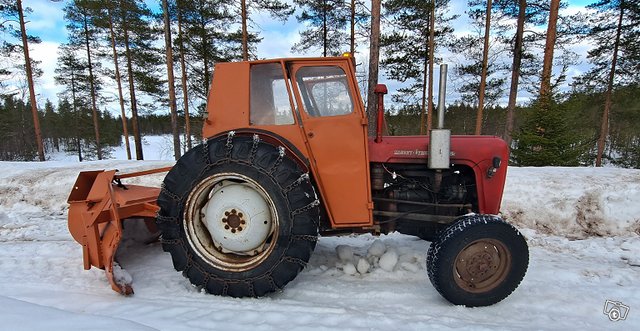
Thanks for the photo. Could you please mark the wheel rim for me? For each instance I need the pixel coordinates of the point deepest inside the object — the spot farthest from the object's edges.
(482, 265)
(231, 222)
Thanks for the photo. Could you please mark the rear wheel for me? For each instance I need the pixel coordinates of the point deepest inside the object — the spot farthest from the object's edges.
(477, 261)
(239, 216)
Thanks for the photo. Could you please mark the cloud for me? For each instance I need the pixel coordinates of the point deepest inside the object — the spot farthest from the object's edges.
(46, 20)
(47, 53)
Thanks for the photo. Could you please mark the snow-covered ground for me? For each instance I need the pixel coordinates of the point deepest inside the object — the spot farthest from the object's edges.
(582, 226)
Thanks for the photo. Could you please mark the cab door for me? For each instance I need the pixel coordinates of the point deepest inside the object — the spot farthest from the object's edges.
(335, 130)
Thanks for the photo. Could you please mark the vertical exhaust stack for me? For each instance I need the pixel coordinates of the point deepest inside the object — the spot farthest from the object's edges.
(440, 139)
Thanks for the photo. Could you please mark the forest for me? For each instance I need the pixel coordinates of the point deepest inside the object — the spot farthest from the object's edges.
(513, 70)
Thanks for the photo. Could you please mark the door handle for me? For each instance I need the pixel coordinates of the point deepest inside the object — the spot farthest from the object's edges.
(310, 134)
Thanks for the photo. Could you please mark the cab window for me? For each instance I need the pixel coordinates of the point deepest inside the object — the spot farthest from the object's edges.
(269, 99)
(324, 91)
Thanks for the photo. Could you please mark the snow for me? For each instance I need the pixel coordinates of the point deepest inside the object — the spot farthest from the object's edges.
(388, 260)
(582, 226)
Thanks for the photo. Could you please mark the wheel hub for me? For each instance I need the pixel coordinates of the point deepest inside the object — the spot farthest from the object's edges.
(233, 220)
(482, 265)
(238, 218)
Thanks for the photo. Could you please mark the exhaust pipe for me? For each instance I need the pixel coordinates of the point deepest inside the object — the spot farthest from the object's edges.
(440, 139)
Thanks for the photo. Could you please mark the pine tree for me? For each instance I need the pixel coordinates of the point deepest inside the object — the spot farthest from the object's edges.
(469, 50)
(183, 71)
(134, 20)
(72, 73)
(206, 41)
(279, 10)
(80, 16)
(326, 22)
(170, 80)
(550, 44)
(12, 13)
(374, 62)
(16, 129)
(615, 31)
(106, 22)
(545, 138)
(525, 12)
(406, 48)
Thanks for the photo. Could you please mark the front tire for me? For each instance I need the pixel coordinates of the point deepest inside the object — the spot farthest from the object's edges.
(239, 216)
(477, 261)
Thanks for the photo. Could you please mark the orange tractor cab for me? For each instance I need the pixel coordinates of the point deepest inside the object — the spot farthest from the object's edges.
(287, 158)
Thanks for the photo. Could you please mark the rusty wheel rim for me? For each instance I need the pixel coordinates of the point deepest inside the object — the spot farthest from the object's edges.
(482, 265)
(200, 239)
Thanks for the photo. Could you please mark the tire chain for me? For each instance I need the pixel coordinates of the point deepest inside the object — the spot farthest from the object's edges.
(171, 241)
(206, 157)
(205, 153)
(166, 219)
(254, 148)
(276, 164)
(296, 183)
(229, 144)
(304, 237)
(295, 260)
(315, 203)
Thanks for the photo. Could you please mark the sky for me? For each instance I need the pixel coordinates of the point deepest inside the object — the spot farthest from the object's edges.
(47, 22)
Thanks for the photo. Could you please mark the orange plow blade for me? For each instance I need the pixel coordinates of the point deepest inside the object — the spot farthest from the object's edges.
(98, 204)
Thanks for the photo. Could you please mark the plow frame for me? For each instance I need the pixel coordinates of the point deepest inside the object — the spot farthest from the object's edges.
(98, 205)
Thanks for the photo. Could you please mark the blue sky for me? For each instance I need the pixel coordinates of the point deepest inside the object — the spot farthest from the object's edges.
(47, 22)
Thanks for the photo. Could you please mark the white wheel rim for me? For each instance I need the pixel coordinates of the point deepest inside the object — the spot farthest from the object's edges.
(230, 221)
(237, 217)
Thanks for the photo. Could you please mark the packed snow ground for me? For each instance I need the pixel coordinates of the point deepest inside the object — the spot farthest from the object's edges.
(582, 226)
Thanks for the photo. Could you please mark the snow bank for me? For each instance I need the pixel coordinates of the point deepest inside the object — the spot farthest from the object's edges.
(574, 202)
(355, 282)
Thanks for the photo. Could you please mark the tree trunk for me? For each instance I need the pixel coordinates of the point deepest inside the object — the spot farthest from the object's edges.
(547, 65)
(125, 129)
(352, 46)
(134, 107)
(32, 92)
(183, 68)
(515, 72)
(245, 46)
(374, 56)
(205, 45)
(172, 88)
(94, 108)
(75, 111)
(432, 43)
(604, 126)
(423, 107)
(483, 75)
(324, 28)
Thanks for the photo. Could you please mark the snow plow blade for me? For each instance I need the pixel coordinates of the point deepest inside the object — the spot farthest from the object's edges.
(98, 204)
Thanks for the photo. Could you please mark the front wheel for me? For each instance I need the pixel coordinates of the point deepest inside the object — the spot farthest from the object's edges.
(477, 261)
(239, 216)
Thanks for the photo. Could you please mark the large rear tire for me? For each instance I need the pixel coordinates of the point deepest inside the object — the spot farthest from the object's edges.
(477, 261)
(239, 216)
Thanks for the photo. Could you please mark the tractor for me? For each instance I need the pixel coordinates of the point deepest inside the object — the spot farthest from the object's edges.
(286, 158)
